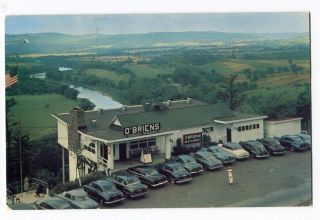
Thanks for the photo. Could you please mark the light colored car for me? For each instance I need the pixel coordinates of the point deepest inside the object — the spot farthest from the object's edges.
(236, 150)
(80, 199)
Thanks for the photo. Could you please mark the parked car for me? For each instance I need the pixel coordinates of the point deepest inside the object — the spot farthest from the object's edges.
(174, 171)
(273, 146)
(104, 191)
(188, 163)
(79, 198)
(255, 148)
(306, 138)
(236, 150)
(129, 184)
(221, 154)
(54, 203)
(294, 143)
(207, 160)
(148, 175)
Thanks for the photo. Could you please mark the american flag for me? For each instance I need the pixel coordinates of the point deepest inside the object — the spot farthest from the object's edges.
(11, 80)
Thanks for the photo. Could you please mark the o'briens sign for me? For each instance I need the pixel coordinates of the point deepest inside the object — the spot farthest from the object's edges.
(141, 128)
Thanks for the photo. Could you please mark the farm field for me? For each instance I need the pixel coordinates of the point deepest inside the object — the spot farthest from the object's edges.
(145, 71)
(34, 112)
(103, 73)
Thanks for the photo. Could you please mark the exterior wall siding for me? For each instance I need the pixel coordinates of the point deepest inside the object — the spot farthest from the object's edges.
(63, 134)
(251, 134)
(278, 129)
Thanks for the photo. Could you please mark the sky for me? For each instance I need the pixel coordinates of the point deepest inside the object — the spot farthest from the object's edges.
(146, 23)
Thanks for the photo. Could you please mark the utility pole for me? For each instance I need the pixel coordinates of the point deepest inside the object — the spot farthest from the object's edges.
(20, 158)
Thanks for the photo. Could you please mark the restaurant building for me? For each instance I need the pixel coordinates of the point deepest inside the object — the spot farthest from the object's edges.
(96, 139)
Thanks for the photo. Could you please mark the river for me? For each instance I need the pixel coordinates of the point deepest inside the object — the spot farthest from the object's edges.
(97, 98)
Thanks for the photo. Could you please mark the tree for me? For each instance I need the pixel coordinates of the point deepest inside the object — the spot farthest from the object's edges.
(231, 93)
(303, 107)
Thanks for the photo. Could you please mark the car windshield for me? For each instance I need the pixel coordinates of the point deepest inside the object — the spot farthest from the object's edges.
(177, 168)
(216, 149)
(132, 181)
(296, 138)
(188, 160)
(80, 198)
(208, 157)
(150, 172)
(305, 137)
(108, 187)
(233, 146)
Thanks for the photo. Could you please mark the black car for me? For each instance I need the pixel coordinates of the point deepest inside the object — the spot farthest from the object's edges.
(54, 203)
(188, 163)
(306, 138)
(294, 143)
(174, 172)
(221, 154)
(148, 175)
(207, 160)
(255, 148)
(273, 146)
(104, 191)
(129, 184)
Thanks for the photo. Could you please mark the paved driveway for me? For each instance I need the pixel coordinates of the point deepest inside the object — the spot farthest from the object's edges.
(253, 179)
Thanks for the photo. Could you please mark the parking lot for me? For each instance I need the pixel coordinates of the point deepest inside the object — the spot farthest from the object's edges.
(254, 179)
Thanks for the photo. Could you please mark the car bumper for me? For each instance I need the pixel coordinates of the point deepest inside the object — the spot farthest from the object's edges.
(114, 201)
(136, 195)
(244, 157)
(159, 184)
(215, 167)
(196, 171)
(184, 180)
(278, 152)
(262, 156)
(228, 161)
(301, 148)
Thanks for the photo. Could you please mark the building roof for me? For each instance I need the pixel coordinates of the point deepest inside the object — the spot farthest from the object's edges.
(239, 117)
(187, 115)
(283, 120)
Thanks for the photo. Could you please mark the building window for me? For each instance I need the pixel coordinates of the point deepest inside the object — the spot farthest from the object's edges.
(254, 126)
(243, 128)
(250, 127)
(247, 127)
(239, 128)
(258, 126)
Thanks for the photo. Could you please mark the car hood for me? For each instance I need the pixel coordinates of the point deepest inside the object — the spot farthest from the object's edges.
(212, 162)
(111, 193)
(276, 147)
(155, 177)
(136, 186)
(241, 152)
(180, 174)
(223, 155)
(86, 204)
(192, 166)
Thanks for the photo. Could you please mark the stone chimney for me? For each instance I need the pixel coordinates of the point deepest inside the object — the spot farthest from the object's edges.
(77, 121)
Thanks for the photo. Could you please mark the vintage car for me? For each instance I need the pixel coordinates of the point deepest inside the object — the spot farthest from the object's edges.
(174, 172)
(129, 184)
(104, 191)
(255, 148)
(79, 198)
(188, 163)
(294, 143)
(148, 175)
(306, 138)
(54, 203)
(273, 146)
(207, 160)
(221, 154)
(236, 150)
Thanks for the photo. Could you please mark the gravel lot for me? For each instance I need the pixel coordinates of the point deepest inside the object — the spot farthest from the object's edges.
(253, 179)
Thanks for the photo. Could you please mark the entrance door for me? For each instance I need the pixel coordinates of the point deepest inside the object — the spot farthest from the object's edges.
(122, 151)
(229, 139)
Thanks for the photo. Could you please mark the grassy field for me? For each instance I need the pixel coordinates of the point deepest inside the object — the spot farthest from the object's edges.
(102, 73)
(145, 71)
(34, 112)
(34, 55)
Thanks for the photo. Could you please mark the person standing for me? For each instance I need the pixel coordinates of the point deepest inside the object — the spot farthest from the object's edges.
(230, 175)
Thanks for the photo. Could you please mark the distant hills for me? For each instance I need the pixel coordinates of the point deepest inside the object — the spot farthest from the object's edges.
(56, 42)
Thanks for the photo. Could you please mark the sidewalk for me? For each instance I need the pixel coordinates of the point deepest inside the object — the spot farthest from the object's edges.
(26, 198)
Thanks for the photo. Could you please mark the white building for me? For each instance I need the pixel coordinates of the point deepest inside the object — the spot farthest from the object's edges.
(95, 139)
(280, 127)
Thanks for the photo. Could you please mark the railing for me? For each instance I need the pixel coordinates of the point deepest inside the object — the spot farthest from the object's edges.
(102, 160)
(32, 185)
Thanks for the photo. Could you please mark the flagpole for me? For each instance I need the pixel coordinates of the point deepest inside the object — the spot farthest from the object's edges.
(20, 157)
